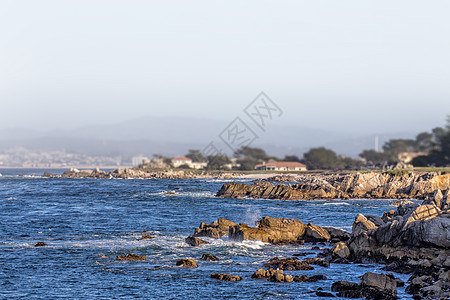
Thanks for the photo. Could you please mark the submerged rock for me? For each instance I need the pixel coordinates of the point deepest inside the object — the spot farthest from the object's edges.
(209, 257)
(289, 264)
(304, 278)
(130, 256)
(187, 263)
(226, 277)
(193, 241)
(146, 236)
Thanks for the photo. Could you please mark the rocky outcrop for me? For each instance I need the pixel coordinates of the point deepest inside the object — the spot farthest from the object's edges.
(411, 225)
(216, 229)
(193, 241)
(130, 256)
(270, 230)
(387, 185)
(413, 239)
(187, 263)
(143, 173)
(434, 286)
(40, 244)
(226, 277)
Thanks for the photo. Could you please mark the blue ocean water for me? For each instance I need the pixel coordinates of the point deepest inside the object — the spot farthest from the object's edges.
(87, 222)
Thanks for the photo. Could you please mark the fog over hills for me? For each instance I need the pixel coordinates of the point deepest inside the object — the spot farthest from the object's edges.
(173, 136)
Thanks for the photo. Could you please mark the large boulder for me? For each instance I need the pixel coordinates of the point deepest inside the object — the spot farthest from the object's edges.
(271, 230)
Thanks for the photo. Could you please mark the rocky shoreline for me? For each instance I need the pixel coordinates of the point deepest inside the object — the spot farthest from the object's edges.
(373, 185)
(414, 239)
(132, 173)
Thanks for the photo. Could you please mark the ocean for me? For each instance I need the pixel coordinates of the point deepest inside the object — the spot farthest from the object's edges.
(86, 223)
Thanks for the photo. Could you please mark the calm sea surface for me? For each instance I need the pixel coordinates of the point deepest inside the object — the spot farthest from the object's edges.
(84, 220)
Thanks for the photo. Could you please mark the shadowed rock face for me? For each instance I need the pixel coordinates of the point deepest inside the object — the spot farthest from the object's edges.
(368, 185)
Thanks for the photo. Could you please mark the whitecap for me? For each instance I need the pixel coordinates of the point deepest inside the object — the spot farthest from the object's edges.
(336, 203)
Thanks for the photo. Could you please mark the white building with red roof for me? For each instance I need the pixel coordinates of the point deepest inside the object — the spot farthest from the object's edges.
(281, 166)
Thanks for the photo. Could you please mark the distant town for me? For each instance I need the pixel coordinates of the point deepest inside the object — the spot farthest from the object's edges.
(427, 149)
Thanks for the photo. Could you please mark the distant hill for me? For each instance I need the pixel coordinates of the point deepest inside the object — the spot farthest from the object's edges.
(175, 135)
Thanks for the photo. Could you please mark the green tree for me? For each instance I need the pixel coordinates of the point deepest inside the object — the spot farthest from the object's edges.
(374, 157)
(196, 156)
(217, 162)
(424, 142)
(248, 157)
(394, 147)
(249, 152)
(349, 163)
(321, 158)
(291, 158)
(440, 154)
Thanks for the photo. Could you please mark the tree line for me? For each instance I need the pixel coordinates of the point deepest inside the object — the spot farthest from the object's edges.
(435, 146)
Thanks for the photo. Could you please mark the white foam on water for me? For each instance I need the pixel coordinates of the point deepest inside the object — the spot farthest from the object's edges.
(252, 215)
(337, 203)
(204, 194)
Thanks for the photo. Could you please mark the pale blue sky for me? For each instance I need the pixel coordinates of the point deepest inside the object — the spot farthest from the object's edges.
(354, 66)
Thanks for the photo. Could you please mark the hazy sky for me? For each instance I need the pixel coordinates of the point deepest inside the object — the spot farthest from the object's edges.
(362, 66)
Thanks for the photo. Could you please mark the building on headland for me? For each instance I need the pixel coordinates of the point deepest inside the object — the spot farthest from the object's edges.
(183, 160)
(407, 157)
(273, 165)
